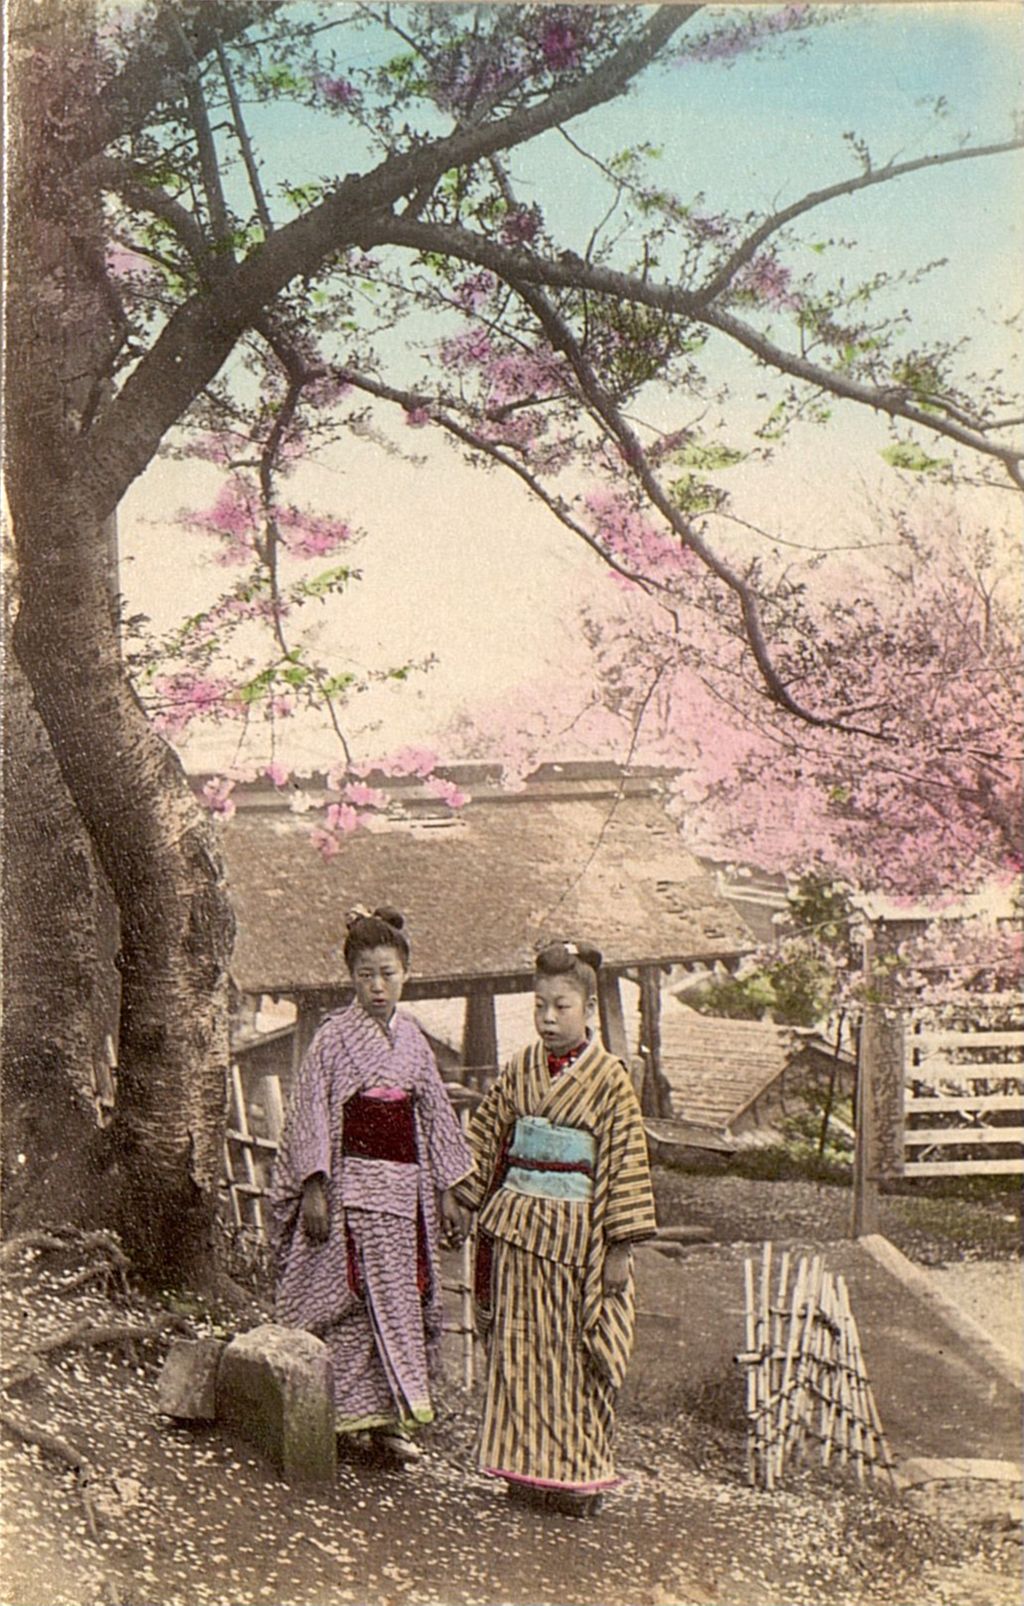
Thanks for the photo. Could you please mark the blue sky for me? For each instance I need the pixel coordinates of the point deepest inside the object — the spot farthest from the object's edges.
(465, 566)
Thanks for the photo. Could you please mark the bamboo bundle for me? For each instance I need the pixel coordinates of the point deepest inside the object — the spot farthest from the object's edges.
(805, 1376)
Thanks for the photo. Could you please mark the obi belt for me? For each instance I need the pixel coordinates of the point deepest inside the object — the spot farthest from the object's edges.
(546, 1161)
(379, 1125)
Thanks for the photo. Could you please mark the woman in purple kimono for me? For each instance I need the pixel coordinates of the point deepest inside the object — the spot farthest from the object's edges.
(362, 1189)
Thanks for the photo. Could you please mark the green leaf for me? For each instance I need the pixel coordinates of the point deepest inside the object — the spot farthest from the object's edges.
(707, 455)
(327, 581)
(692, 495)
(258, 686)
(334, 685)
(907, 456)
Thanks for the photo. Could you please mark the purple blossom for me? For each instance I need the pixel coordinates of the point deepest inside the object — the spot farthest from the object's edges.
(521, 225)
(768, 281)
(337, 91)
(472, 293)
(559, 45)
(467, 350)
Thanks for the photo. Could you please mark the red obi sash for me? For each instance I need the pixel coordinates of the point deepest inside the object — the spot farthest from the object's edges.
(380, 1128)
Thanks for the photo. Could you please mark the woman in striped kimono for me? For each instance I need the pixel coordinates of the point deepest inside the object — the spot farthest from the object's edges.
(563, 1191)
(362, 1190)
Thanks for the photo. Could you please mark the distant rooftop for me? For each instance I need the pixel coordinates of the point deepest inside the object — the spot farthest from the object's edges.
(716, 1068)
(579, 850)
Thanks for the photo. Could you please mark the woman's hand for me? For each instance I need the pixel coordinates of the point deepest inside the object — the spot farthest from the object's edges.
(316, 1212)
(617, 1263)
(455, 1218)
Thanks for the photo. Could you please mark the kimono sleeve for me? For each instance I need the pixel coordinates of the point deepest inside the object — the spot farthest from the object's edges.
(487, 1129)
(448, 1154)
(624, 1173)
(306, 1142)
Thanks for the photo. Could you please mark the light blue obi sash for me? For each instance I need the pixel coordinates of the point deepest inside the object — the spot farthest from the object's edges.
(550, 1162)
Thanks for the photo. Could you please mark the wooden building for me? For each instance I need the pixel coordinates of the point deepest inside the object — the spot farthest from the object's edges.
(581, 850)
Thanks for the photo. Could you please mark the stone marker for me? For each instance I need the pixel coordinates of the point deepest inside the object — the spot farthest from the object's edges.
(274, 1386)
(187, 1389)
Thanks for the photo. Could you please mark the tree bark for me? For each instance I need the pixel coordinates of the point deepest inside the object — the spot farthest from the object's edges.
(59, 981)
(153, 843)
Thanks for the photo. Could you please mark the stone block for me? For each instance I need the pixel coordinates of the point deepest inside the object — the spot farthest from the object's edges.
(274, 1387)
(187, 1389)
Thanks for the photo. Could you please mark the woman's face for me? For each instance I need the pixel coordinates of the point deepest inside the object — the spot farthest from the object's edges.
(378, 975)
(560, 1012)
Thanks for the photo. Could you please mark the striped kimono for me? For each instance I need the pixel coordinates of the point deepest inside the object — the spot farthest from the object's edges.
(370, 1113)
(562, 1173)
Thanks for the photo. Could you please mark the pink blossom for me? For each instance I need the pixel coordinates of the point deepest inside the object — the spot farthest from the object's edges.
(447, 791)
(517, 375)
(631, 538)
(409, 761)
(325, 842)
(215, 446)
(311, 535)
(277, 772)
(365, 797)
(282, 707)
(233, 518)
(341, 817)
(124, 263)
(216, 795)
(186, 696)
(768, 281)
(416, 417)
(559, 44)
(726, 43)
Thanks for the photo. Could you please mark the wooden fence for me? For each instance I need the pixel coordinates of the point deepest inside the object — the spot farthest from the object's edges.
(255, 1117)
(963, 1101)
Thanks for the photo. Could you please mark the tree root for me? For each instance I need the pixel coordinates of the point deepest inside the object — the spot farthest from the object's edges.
(87, 1334)
(62, 1450)
(56, 1239)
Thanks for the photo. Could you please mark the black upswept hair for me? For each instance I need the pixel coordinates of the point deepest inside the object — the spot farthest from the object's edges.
(578, 962)
(375, 928)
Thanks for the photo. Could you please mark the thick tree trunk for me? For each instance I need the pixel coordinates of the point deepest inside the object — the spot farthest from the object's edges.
(59, 982)
(153, 843)
(158, 853)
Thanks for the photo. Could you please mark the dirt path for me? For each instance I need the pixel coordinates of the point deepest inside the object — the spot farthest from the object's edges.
(192, 1519)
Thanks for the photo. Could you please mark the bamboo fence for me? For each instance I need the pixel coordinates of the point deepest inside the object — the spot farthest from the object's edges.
(807, 1387)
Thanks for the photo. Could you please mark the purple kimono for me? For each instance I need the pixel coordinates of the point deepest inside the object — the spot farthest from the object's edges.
(369, 1111)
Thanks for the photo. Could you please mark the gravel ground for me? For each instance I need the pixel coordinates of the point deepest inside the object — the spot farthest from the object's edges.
(178, 1518)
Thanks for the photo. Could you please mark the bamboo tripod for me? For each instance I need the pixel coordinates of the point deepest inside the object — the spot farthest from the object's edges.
(806, 1381)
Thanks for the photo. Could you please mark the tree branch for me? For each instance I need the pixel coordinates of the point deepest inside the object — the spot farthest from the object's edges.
(561, 337)
(242, 134)
(201, 334)
(571, 272)
(893, 401)
(209, 164)
(123, 178)
(724, 275)
(468, 436)
(149, 77)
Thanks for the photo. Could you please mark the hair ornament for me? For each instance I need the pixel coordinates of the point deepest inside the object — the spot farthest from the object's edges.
(571, 948)
(358, 911)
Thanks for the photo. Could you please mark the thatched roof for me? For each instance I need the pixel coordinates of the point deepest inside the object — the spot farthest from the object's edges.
(479, 888)
(716, 1068)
